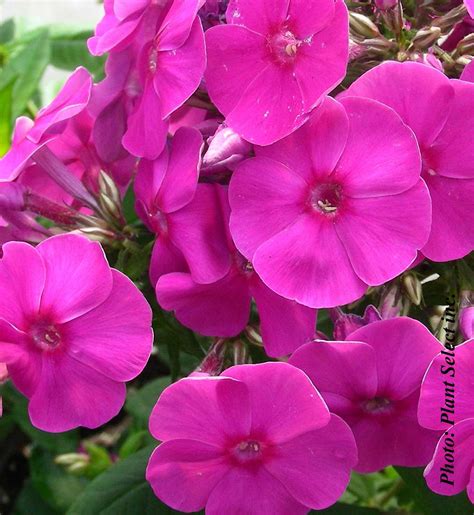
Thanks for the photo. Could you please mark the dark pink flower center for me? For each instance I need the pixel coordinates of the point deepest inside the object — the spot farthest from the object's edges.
(45, 335)
(248, 450)
(284, 46)
(326, 198)
(377, 405)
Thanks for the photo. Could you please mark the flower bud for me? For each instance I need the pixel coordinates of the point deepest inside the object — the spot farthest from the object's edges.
(226, 149)
(361, 26)
(426, 37)
(466, 45)
(450, 19)
(412, 288)
(347, 323)
(391, 303)
(213, 363)
(97, 234)
(109, 198)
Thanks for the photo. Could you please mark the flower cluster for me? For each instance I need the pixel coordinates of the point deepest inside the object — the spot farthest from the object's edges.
(269, 193)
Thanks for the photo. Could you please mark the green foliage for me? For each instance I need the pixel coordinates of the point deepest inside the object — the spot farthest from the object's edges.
(121, 490)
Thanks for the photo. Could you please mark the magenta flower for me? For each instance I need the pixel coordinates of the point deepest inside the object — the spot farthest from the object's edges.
(31, 139)
(320, 217)
(273, 63)
(222, 308)
(434, 107)
(158, 62)
(181, 212)
(446, 404)
(452, 468)
(347, 323)
(258, 439)
(450, 369)
(73, 331)
(373, 382)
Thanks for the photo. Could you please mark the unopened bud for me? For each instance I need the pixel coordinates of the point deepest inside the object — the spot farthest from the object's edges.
(74, 462)
(362, 26)
(97, 234)
(466, 45)
(412, 288)
(425, 38)
(378, 46)
(450, 19)
(109, 198)
(240, 353)
(391, 303)
(213, 363)
(226, 149)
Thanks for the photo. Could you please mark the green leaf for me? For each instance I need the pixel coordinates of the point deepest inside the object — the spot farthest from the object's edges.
(25, 68)
(6, 98)
(133, 443)
(140, 402)
(69, 50)
(29, 501)
(7, 31)
(427, 501)
(121, 490)
(54, 485)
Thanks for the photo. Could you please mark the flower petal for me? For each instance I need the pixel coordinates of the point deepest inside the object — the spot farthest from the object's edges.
(78, 277)
(180, 181)
(315, 467)
(217, 309)
(70, 394)
(451, 234)
(183, 473)
(382, 235)
(419, 94)
(227, 74)
(210, 410)
(404, 348)
(308, 263)
(252, 490)
(283, 401)
(138, 139)
(22, 280)
(124, 318)
(179, 71)
(265, 197)
(321, 60)
(260, 16)
(285, 325)
(393, 164)
(334, 368)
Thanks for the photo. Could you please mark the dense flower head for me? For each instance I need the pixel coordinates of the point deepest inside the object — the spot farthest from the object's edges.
(222, 308)
(257, 439)
(372, 380)
(272, 63)
(157, 62)
(319, 217)
(72, 331)
(60, 155)
(435, 108)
